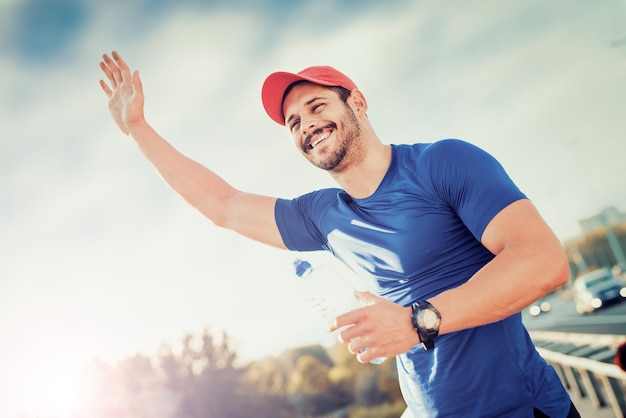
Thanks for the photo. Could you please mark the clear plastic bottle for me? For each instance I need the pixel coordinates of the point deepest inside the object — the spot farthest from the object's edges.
(329, 292)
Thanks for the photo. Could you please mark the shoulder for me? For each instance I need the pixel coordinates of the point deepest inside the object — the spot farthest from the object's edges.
(456, 154)
(315, 201)
(442, 156)
(451, 148)
(324, 195)
(443, 148)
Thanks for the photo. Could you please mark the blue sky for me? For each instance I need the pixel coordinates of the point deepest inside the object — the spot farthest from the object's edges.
(101, 259)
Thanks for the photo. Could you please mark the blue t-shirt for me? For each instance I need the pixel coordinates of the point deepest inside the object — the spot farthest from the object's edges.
(415, 237)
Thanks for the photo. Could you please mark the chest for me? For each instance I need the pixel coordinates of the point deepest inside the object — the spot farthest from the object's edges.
(404, 241)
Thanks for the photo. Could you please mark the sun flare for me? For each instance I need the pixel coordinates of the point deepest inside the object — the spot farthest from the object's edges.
(50, 388)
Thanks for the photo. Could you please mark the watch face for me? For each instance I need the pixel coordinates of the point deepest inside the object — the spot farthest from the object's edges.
(428, 319)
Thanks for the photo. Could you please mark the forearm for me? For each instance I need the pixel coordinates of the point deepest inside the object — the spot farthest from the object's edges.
(198, 185)
(248, 214)
(514, 279)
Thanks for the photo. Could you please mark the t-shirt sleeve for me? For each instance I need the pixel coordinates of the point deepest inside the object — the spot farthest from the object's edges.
(471, 181)
(298, 220)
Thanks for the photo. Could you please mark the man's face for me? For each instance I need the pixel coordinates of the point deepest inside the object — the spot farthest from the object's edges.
(323, 126)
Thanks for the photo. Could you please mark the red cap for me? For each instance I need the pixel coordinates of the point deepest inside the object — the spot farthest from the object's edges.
(275, 84)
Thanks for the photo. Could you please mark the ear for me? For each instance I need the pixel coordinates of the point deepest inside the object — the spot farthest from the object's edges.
(357, 102)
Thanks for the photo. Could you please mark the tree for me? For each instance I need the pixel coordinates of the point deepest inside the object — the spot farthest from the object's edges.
(131, 388)
(202, 381)
(311, 389)
(309, 377)
(205, 380)
(206, 377)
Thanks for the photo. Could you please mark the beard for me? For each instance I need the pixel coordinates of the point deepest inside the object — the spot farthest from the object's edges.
(347, 150)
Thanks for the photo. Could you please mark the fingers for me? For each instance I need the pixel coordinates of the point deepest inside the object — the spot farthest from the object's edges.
(109, 75)
(124, 70)
(115, 69)
(105, 87)
(137, 83)
(348, 318)
(356, 315)
(349, 333)
(364, 351)
(350, 324)
(369, 354)
(120, 62)
(111, 70)
(356, 345)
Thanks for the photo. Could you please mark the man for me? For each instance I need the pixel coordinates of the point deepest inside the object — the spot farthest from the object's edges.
(452, 248)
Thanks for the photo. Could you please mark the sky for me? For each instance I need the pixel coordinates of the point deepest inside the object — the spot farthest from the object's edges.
(100, 259)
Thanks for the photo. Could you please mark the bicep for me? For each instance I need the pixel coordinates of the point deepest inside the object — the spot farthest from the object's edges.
(519, 224)
(252, 216)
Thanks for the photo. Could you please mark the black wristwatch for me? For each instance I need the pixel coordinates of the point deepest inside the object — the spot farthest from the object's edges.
(426, 321)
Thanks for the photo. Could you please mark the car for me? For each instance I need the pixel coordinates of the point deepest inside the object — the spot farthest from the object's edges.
(596, 289)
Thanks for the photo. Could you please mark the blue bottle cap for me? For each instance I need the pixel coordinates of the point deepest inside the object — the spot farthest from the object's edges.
(301, 266)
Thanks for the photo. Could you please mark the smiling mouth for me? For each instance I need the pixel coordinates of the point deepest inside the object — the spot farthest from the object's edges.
(319, 139)
(312, 140)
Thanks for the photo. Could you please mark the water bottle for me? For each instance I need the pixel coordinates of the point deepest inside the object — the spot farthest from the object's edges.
(329, 292)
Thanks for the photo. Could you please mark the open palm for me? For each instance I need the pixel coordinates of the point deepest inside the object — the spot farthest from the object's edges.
(125, 92)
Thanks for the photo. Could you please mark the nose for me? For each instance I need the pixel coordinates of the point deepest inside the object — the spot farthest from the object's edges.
(307, 126)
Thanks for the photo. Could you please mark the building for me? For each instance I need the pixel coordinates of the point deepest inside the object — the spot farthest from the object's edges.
(601, 244)
(607, 217)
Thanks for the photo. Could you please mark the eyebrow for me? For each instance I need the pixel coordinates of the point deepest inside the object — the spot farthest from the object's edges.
(290, 118)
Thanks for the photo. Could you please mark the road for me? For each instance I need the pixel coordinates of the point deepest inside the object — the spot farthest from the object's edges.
(564, 318)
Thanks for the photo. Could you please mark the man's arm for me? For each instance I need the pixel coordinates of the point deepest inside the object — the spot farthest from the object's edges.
(248, 214)
(529, 262)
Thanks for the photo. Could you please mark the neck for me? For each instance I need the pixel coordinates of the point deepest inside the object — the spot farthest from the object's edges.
(361, 179)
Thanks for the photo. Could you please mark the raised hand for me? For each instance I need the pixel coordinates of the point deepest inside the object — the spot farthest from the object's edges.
(125, 92)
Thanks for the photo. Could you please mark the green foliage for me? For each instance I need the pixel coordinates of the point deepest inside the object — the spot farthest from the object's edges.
(310, 377)
(204, 379)
(268, 376)
(291, 356)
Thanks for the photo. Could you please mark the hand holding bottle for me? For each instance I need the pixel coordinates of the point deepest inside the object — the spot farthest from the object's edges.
(331, 294)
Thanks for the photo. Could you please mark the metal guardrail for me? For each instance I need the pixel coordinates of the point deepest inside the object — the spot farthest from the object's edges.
(585, 364)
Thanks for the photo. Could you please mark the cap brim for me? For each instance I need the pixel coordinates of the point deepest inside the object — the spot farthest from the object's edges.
(273, 92)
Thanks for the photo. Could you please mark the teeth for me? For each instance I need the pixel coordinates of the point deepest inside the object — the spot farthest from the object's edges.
(320, 139)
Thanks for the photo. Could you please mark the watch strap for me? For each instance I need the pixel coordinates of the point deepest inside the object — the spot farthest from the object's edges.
(426, 335)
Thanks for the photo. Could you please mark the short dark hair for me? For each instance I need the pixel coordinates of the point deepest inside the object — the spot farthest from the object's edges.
(343, 92)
